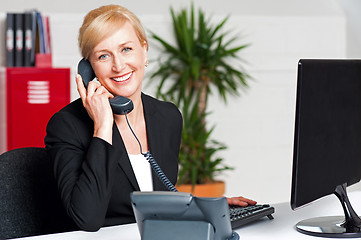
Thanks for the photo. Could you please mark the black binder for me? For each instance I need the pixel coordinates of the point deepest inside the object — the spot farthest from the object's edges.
(29, 38)
(10, 39)
(19, 39)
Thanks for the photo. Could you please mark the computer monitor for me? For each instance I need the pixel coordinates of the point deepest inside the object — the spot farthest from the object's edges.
(327, 141)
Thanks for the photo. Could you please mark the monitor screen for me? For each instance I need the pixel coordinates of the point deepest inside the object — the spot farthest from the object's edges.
(327, 139)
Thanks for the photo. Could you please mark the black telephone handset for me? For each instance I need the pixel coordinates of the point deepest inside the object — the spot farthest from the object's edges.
(119, 104)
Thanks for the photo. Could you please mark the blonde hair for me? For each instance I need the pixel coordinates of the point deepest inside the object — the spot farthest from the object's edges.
(101, 22)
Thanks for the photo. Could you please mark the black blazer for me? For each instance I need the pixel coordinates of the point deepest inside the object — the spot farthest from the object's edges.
(94, 178)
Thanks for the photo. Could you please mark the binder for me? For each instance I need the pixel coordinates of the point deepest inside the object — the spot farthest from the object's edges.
(19, 39)
(47, 35)
(29, 33)
(40, 32)
(10, 39)
(32, 57)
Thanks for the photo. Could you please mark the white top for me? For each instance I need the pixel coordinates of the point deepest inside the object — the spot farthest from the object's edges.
(142, 171)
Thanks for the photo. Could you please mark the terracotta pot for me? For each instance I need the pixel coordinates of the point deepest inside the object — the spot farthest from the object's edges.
(213, 189)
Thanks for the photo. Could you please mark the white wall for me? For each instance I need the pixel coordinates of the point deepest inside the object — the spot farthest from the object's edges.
(352, 10)
(243, 7)
(258, 126)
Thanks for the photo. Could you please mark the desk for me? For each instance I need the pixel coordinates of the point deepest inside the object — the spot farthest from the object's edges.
(281, 227)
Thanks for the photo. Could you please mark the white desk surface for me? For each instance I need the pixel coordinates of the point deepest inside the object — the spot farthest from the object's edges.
(281, 227)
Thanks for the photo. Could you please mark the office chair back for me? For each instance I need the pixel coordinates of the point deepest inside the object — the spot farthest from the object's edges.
(29, 202)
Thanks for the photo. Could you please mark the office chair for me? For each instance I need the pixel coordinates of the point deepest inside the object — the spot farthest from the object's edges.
(29, 202)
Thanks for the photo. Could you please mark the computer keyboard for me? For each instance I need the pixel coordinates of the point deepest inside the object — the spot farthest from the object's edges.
(243, 215)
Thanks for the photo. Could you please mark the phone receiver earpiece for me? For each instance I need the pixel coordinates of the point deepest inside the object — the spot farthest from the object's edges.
(86, 71)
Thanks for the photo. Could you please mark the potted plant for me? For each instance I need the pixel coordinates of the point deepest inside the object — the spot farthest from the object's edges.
(203, 57)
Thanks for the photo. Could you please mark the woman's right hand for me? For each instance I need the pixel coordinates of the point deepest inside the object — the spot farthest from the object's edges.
(96, 102)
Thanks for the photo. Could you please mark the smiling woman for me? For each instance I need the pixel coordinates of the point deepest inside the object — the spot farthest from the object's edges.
(93, 151)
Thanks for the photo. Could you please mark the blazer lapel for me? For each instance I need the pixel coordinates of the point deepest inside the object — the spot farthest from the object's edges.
(154, 135)
(123, 160)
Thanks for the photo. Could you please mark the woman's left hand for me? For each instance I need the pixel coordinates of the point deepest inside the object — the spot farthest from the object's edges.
(240, 201)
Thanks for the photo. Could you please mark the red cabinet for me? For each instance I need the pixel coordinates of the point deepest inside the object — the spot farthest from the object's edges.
(32, 96)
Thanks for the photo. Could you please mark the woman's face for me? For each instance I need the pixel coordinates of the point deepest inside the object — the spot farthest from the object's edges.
(118, 62)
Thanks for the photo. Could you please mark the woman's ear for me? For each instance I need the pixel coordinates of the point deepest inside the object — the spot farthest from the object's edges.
(145, 46)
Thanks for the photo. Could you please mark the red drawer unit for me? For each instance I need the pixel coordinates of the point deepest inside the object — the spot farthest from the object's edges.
(33, 95)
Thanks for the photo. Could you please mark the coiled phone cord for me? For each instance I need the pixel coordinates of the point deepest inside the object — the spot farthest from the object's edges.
(153, 163)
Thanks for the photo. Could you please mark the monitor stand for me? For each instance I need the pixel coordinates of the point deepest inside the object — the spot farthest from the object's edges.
(348, 226)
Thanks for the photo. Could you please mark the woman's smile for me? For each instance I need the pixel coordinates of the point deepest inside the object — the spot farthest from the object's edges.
(123, 77)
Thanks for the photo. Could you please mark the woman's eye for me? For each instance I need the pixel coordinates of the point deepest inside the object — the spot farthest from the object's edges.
(103, 57)
(126, 49)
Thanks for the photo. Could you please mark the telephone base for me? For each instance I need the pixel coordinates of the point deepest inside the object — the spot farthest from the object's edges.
(165, 230)
(179, 230)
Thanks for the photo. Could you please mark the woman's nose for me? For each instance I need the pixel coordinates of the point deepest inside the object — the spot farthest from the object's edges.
(118, 64)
